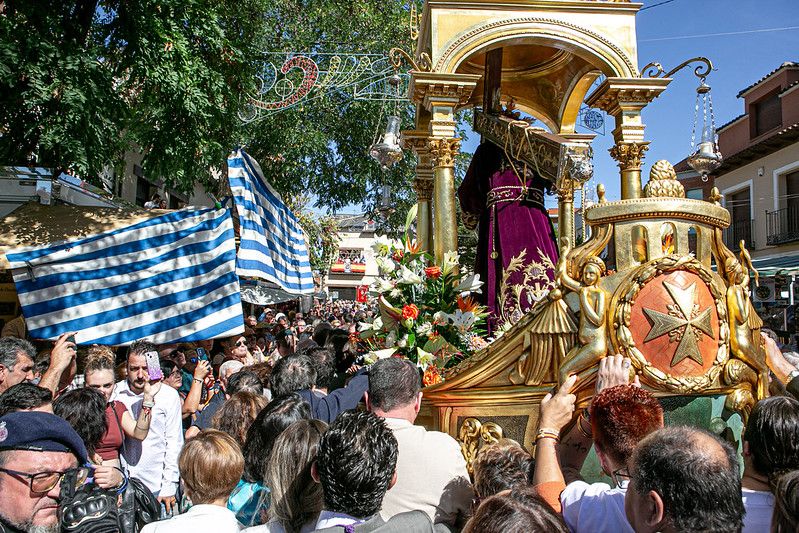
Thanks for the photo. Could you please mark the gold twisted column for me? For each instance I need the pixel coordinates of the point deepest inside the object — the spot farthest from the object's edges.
(443, 152)
(423, 186)
(418, 140)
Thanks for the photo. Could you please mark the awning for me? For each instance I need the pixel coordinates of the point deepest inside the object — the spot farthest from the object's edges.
(260, 295)
(784, 265)
(33, 224)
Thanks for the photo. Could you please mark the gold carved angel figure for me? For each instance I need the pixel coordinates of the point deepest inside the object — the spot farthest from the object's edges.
(592, 330)
(744, 322)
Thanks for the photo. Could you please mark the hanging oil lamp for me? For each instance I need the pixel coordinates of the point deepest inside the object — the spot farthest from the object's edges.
(706, 157)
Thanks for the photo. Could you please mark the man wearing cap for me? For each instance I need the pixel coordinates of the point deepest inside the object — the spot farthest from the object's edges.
(36, 450)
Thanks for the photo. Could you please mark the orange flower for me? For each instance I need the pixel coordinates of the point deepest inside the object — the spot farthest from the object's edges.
(413, 247)
(433, 271)
(467, 304)
(431, 376)
(410, 311)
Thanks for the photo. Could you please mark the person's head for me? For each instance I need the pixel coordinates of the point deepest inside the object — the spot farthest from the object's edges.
(356, 464)
(501, 466)
(286, 341)
(620, 417)
(322, 361)
(684, 479)
(785, 518)
(771, 438)
(16, 362)
(99, 375)
(227, 369)
(40, 444)
(263, 371)
(137, 365)
(244, 381)
(26, 397)
(296, 497)
(235, 347)
(84, 409)
(517, 510)
(291, 374)
(321, 332)
(237, 414)
(394, 389)
(172, 374)
(251, 321)
(210, 466)
(279, 414)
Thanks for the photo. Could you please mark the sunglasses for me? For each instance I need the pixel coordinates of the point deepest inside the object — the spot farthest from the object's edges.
(241, 343)
(43, 482)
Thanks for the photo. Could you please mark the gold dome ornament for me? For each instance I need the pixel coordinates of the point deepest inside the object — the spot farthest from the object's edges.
(663, 182)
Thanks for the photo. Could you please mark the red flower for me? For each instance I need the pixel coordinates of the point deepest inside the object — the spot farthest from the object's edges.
(397, 256)
(433, 271)
(410, 311)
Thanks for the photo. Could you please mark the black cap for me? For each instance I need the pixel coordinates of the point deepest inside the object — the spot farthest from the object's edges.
(41, 432)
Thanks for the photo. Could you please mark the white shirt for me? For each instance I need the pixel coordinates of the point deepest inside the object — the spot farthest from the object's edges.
(199, 518)
(759, 507)
(431, 475)
(595, 508)
(154, 460)
(331, 519)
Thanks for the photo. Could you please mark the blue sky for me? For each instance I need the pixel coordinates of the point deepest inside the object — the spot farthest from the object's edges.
(740, 60)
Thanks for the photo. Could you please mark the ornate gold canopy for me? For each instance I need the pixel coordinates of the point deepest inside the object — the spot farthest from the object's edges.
(663, 287)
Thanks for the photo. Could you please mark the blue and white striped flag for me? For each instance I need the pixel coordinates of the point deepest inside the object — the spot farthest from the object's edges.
(168, 279)
(273, 244)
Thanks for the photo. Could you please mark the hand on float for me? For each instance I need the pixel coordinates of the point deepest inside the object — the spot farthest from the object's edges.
(557, 411)
(614, 370)
(775, 360)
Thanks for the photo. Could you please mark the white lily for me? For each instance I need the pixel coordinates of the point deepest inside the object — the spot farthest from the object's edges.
(424, 358)
(450, 262)
(424, 328)
(382, 245)
(377, 323)
(376, 355)
(366, 326)
(470, 283)
(382, 285)
(385, 264)
(395, 293)
(462, 321)
(408, 277)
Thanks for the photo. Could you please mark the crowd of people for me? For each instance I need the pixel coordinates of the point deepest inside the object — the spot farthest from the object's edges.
(283, 429)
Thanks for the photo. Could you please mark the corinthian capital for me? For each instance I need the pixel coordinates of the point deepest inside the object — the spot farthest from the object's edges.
(443, 151)
(423, 188)
(629, 155)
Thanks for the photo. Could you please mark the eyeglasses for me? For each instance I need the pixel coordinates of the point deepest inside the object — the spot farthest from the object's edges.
(43, 482)
(241, 343)
(620, 474)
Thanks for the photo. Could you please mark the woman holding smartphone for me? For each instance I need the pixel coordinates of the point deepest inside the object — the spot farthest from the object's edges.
(99, 374)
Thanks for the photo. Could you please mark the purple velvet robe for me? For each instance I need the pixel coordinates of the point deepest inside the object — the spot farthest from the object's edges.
(517, 251)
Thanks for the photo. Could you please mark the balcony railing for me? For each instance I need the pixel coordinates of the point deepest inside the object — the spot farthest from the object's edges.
(740, 230)
(782, 225)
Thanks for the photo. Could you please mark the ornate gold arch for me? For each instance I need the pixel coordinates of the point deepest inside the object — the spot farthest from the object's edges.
(591, 46)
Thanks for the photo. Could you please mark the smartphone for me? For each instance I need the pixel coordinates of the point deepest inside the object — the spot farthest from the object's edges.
(153, 366)
(202, 355)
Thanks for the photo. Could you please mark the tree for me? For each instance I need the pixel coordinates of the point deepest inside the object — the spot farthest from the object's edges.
(82, 81)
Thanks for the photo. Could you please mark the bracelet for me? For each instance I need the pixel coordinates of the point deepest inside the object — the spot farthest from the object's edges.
(124, 484)
(197, 380)
(546, 433)
(148, 405)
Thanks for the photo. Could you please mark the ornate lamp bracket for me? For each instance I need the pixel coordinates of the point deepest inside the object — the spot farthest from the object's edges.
(656, 70)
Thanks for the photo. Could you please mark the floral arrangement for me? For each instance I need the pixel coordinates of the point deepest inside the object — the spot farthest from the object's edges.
(427, 313)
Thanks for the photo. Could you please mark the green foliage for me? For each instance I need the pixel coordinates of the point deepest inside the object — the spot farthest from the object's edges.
(321, 234)
(82, 81)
